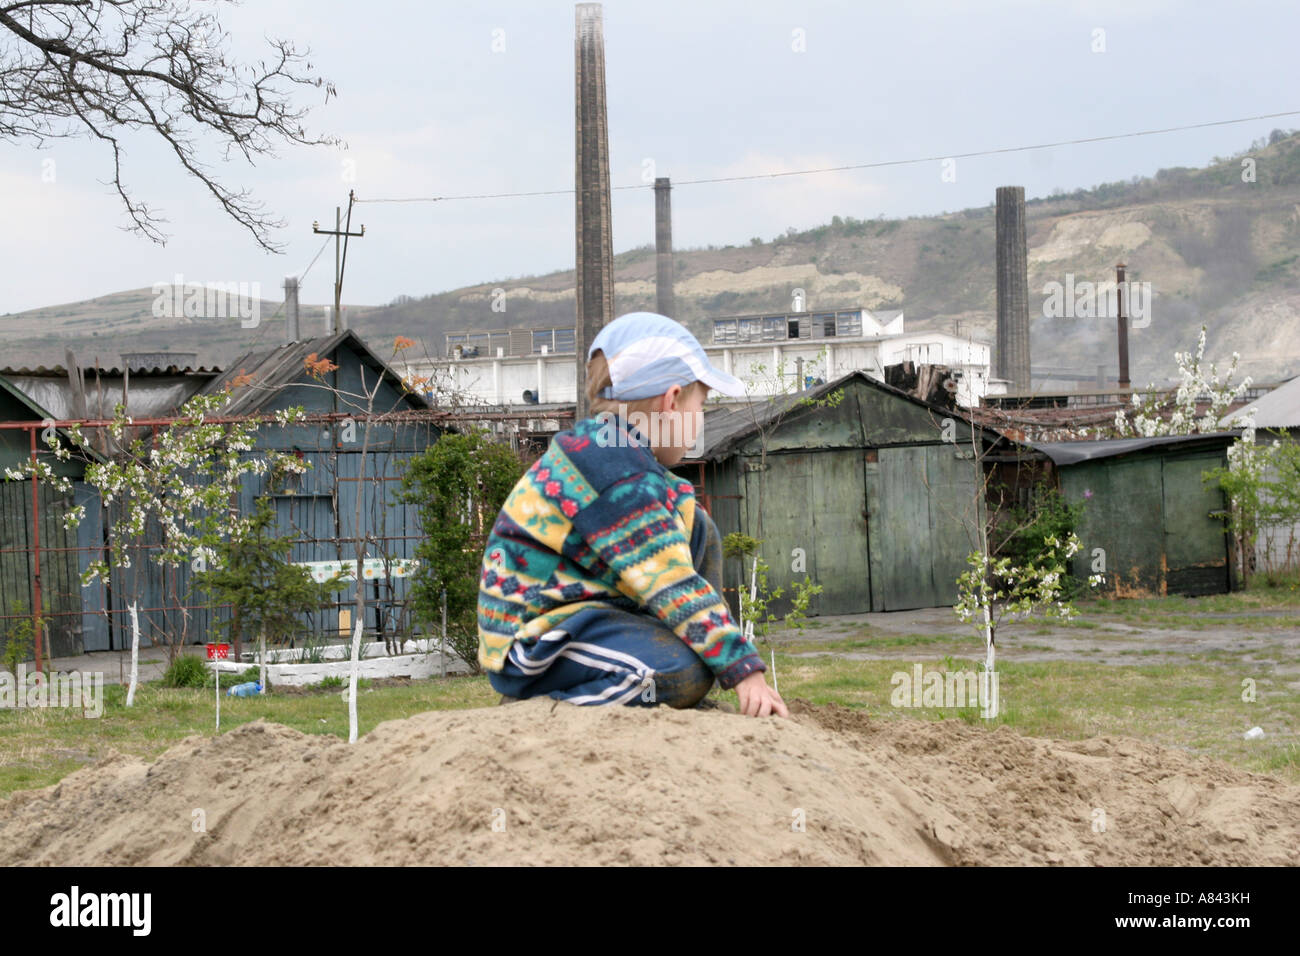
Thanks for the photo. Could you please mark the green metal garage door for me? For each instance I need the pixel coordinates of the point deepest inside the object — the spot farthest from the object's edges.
(1196, 549)
(924, 515)
(815, 503)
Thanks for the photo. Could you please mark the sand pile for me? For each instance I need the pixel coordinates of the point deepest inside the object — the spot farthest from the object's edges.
(538, 783)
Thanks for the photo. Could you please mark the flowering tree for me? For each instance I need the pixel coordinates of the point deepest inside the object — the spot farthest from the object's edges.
(181, 480)
(1153, 414)
(1180, 414)
(994, 587)
(997, 584)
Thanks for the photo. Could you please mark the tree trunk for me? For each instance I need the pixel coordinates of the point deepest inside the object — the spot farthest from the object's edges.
(236, 635)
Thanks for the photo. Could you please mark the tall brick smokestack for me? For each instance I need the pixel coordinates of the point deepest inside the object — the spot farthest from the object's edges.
(1011, 359)
(1122, 321)
(595, 252)
(664, 303)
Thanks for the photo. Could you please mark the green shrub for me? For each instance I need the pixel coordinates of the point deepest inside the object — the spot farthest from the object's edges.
(1049, 515)
(186, 671)
(19, 638)
(458, 486)
(1278, 578)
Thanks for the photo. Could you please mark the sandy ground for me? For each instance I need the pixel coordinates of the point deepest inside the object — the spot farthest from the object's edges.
(543, 783)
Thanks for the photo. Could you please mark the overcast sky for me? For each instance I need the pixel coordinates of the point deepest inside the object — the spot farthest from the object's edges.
(700, 88)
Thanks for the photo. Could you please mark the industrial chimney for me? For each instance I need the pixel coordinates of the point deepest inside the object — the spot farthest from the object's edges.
(664, 303)
(290, 309)
(1120, 288)
(1011, 361)
(595, 246)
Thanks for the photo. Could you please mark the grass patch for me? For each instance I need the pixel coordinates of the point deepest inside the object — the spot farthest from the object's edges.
(1194, 706)
(1259, 596)
(876, 642)
(39, 747)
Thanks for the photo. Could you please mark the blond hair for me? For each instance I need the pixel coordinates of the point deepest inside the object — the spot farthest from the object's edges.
(598, 378)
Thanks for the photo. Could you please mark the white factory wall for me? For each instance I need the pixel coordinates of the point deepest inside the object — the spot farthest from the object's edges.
(766, 368)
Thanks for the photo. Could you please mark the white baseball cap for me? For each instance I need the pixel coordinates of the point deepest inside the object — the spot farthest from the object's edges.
(649, 353)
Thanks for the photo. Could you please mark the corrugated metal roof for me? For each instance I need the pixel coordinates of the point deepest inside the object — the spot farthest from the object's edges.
(41, 414)
(728, 426)
(90, 370)
(147, 397)
(1280, 408)
(282, 366)
(1073, 452)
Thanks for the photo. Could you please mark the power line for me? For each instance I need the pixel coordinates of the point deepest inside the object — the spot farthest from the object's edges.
(257, 340)
(264, 326)
(879, 165)
(302, 275)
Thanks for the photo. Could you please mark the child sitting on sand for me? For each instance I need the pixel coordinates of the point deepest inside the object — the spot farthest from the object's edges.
(601, 581)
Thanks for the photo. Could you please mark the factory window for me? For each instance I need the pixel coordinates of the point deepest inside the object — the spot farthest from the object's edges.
(826, 321)
(848, 323)
(774, 328)
(751, 330)
(792, 328)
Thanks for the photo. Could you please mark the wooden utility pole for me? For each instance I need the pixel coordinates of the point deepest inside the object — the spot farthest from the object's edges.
(340, 230)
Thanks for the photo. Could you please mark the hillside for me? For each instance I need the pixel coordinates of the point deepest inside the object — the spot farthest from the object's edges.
(1217, 251)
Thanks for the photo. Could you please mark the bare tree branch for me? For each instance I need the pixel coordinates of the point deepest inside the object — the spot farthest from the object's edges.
(101, 68)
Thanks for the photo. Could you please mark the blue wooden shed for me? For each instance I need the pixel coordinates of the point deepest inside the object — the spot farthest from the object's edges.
(348, 465)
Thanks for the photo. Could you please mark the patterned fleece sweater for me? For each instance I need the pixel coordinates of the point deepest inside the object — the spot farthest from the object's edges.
(598, 521)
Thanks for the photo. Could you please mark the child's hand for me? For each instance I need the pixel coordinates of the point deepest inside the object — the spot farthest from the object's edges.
(759, 700)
